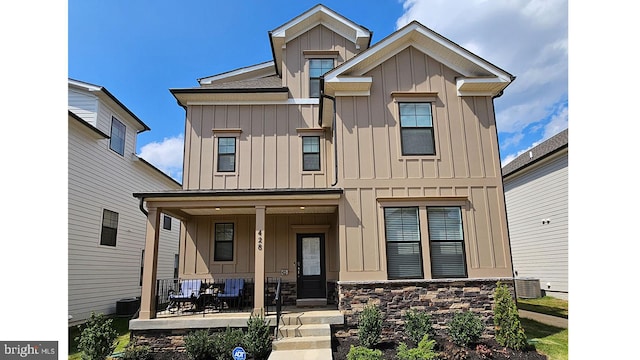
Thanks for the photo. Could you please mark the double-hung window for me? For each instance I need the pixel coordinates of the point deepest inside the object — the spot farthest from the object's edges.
(402, 231)
(223, 237)
(118, 135)
(166, 222)
(447, 242)
(317, 68)
(226, 154)
(310, 153)
(109, 228)
(416, 129)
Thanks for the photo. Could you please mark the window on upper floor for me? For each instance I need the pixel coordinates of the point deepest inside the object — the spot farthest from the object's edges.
(118, 133)
(310, 153)
(402, 232)
(166, 222)
(416, 129)
(447, 242)
(226, 154)
(109, 228)
(223, 238)
(317, 68)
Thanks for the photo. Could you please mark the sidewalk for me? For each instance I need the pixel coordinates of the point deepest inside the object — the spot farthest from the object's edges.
(545, 319)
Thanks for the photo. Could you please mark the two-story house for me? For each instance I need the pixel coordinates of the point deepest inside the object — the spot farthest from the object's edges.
(106, 229)
(356, 173)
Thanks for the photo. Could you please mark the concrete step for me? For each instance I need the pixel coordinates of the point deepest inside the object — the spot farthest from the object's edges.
(305, 330)
(313, 317)
(315, 354)
(303, 343)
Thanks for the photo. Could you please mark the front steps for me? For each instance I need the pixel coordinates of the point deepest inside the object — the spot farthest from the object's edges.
(305, 336)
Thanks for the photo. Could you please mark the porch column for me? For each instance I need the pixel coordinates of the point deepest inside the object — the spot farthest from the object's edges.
(258, 296)
(147, 301)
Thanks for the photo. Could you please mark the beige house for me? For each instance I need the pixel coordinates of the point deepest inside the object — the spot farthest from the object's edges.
(341, 166)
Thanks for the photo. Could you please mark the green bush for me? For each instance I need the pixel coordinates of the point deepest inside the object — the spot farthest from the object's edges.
(369, 326)
(363, 353)
(258, 338)
(417, 325)
(465, 328)
(198, 345)
(224, 342)
(509, 331)
(133, 352)
(97, 339)
(424, 351)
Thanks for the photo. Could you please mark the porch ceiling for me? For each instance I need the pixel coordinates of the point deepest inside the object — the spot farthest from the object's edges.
(269, 210)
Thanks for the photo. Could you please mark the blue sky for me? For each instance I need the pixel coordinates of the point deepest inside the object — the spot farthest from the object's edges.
(138, 50)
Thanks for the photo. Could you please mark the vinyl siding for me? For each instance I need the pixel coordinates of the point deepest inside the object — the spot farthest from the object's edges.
(540, 250)
(84, 105)
(98, 179)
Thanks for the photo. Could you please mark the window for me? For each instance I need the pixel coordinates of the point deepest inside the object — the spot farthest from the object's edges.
(317, 68)
(141, 266)
(176, 260)
(310, 153)
(447, 242)
(227, 154)
(223, 242)
(166, 222)
(402, 231)
(118, 132)
(109, 228)
(416, 129)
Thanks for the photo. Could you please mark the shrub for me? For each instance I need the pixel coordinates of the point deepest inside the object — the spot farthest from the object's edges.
(98, 338)
(417, 325)
(424, 351)
(369, 326)
(258, 338)
(363, 353)
(509, 331)
(133, 352)
(224, 342)
(465, 328)
(198, 345)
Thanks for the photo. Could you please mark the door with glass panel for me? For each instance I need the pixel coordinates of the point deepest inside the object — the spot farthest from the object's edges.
(311, 270)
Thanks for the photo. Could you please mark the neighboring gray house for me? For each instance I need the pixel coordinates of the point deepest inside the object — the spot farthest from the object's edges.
(106, 227)
(536, 194)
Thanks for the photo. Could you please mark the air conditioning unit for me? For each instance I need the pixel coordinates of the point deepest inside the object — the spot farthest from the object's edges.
(528, 288)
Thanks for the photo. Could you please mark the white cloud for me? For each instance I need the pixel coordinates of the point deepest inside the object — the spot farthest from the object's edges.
(166, 155)
(526, 38)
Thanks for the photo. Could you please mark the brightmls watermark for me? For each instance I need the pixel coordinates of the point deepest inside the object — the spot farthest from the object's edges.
(28, 350)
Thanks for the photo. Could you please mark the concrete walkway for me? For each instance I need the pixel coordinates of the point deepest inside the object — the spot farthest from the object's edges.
(545, 319)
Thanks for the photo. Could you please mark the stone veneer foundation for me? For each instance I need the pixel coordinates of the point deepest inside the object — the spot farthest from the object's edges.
(440, 298)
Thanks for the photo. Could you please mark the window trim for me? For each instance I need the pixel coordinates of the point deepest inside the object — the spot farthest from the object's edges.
(319, 152)
(235, 154)
(114, 120)
(317, 57)
(103, 226)
(402, 128)
(419, 242)
(417, 97)
(226, 133)
(462, 242)
(233, 242)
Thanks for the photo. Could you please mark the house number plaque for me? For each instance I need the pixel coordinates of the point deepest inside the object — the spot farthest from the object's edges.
(259, 240)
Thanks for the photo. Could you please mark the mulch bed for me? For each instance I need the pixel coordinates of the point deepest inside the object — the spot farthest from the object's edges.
(487, 349)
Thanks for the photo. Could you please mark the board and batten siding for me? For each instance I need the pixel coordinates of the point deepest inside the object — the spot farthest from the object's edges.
(99, 178)
(371, 166)
(540, 250)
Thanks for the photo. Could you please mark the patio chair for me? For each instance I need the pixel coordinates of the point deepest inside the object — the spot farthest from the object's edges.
(233, 291)
(189, 291)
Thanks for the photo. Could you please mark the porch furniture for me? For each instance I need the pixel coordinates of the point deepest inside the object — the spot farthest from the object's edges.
(189, 291)
(233, 292)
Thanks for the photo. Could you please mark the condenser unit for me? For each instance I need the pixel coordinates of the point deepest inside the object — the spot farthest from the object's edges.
(528, 288)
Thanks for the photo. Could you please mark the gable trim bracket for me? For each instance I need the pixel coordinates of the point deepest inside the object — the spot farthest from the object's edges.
(483, 86)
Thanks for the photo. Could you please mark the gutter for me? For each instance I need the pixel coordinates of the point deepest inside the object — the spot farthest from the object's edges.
(333, 128)
(145, 212)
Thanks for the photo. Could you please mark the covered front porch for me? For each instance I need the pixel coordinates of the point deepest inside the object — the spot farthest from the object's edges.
(254, 235)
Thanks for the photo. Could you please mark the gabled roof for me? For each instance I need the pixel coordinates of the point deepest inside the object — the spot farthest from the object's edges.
(103, 94)
(94, 129)
(244, 73)
(317, 15)
(537, 153)
(480, 77)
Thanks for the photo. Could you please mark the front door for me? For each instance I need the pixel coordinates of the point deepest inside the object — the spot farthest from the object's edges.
(311, 270)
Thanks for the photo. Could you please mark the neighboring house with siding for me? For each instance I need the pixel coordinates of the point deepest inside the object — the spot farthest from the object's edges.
(352, 171)
(536, 186)
(106, 227)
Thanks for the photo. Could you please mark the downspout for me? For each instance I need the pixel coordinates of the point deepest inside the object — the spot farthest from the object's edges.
(145, 212)
(333, 128)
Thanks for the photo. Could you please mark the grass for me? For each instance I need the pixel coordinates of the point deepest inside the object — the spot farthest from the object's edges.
(121, 325)
(546, 305)
(549, 340)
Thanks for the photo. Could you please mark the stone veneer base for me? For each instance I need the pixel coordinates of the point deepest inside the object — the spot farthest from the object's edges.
(441, 298)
